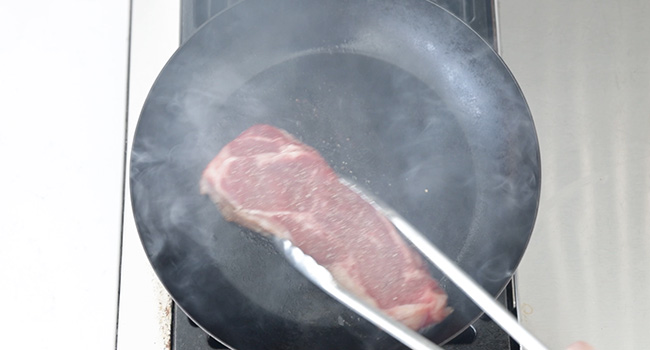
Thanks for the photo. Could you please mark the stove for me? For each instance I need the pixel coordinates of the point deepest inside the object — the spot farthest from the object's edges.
(591, 235)
(483, 334)
(478, 14)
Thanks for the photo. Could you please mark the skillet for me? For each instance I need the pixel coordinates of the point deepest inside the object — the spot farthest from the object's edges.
(400, 97)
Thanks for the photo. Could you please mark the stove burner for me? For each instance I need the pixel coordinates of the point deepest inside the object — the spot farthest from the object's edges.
(483, 334)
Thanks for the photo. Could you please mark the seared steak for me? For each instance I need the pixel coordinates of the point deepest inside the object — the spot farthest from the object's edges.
(270, 182)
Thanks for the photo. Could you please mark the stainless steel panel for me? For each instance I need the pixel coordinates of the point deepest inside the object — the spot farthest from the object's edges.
(583, 66)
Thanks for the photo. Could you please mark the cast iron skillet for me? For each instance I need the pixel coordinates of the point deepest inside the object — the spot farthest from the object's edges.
(399, 96)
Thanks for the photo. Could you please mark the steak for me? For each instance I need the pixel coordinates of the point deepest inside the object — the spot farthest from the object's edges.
(270, 182)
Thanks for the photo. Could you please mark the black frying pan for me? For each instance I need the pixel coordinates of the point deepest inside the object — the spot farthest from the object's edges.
(401, 97)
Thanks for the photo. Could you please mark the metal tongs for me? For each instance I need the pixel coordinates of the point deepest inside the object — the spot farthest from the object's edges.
(318, 275)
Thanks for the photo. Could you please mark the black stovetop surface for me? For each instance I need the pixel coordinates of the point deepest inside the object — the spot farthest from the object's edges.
(478, 14)
(484, 333)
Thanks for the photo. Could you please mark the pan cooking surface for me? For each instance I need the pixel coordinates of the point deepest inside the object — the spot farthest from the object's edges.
(402, 98)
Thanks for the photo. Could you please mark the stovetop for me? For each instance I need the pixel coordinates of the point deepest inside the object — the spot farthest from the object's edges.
(478, 14)
(484, 333)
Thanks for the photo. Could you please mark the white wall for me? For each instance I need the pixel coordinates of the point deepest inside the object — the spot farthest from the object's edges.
(63, 70)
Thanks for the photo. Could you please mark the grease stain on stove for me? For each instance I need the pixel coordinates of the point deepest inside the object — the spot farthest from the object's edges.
(164, 314)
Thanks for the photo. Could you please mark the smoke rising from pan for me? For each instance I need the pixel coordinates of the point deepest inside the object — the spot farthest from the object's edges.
(442, 134)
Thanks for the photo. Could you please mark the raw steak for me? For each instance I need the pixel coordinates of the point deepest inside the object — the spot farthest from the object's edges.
(270, 182)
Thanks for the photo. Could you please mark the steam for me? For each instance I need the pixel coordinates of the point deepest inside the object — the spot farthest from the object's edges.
(441, 134)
